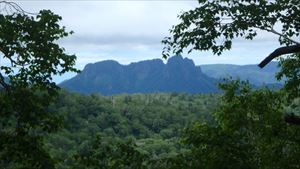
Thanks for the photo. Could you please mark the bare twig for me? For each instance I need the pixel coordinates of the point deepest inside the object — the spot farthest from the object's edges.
(16, 7)
(272, 30)
(279, 34)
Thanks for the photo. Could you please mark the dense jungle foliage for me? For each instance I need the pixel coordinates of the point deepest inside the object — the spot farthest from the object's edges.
(240, 128)
(151, 123)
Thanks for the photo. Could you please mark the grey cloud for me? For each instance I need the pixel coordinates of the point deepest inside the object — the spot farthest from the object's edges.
(113, 40)
(134, 28)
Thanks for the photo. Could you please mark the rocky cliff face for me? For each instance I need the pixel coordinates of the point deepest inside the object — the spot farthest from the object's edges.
(110, 77)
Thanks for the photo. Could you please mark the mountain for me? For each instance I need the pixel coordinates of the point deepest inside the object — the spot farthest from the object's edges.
(109, 77)
(253, 73)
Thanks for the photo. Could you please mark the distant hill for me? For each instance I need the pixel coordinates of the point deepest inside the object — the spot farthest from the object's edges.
(109, 77)
(253, 73)
(177, 75)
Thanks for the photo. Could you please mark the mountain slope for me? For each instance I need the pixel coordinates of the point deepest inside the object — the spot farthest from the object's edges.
(253, 73)
(110, 77)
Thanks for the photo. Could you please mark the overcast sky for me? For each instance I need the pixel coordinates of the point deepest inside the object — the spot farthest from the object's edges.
(130, 31)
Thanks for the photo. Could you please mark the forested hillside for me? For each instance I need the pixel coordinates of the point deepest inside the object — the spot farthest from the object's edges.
(175, 131)
(151, 121)
(252, 73)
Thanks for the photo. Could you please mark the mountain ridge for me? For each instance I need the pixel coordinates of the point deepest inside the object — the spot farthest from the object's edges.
(251, 72)
(177, 75)
(109, 77)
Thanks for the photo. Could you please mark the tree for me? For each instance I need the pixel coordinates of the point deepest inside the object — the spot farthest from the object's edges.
(214, 24)
(247, 129)
(248, 132)
(110, 153)
(28, 43)
(291, 74)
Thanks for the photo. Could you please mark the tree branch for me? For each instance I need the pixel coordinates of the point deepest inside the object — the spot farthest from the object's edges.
(279, 34)
(16, 7)
(278, 52)
(272, 30)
